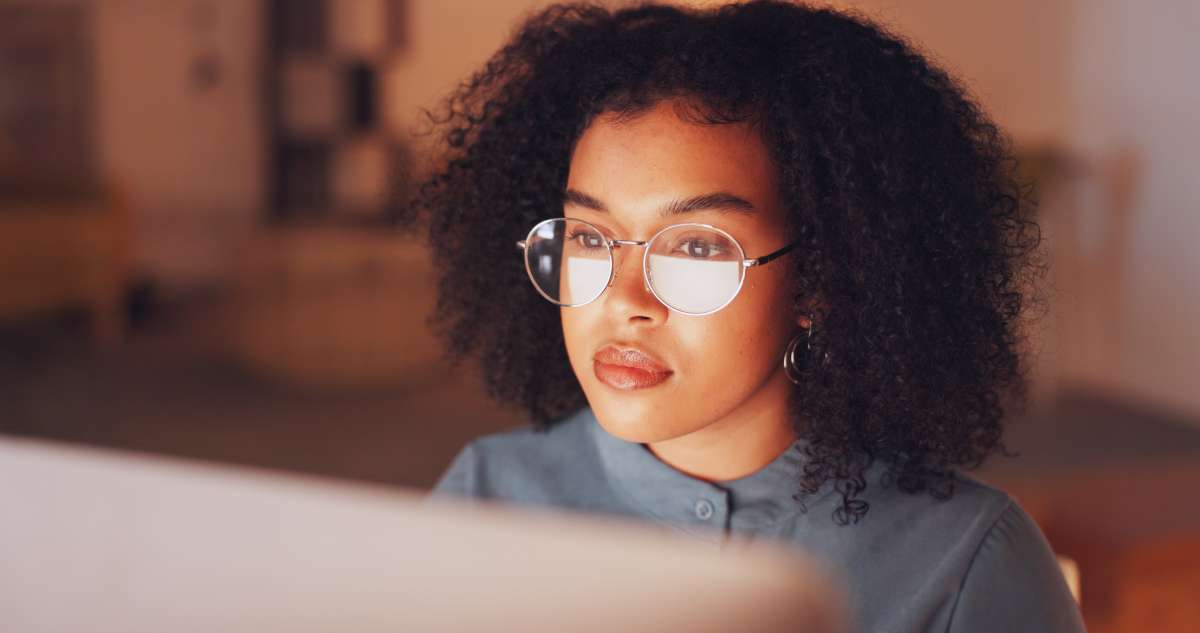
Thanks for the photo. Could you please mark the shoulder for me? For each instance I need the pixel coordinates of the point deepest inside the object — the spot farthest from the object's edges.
(1008, 577)
(907, 531)
(1013, 581)
(522, 464)
(973, 562)
(948, 534)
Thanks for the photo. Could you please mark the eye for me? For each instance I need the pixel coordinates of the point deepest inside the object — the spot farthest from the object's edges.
(587, 240)
(699, 248)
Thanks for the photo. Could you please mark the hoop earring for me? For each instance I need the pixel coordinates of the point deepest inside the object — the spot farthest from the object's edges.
(795, 364)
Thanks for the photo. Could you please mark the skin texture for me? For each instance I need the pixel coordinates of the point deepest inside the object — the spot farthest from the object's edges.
(723, 413)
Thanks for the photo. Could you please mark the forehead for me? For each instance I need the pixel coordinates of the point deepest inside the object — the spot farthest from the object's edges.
(636, 165)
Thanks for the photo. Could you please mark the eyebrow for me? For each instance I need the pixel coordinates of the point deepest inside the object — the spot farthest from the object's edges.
(718, 200)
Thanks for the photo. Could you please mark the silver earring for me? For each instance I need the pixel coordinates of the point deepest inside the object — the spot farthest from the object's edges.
(794, 361)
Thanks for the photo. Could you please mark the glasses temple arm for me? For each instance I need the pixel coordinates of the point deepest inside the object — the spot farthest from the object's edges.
(765, 259)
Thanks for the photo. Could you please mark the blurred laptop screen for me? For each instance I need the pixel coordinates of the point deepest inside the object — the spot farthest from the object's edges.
(97, 540)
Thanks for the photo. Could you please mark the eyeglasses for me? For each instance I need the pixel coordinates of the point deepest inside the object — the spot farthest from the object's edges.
(694, 269)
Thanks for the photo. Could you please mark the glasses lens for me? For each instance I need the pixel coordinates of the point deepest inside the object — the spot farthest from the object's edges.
(568, 261)
(695, 270)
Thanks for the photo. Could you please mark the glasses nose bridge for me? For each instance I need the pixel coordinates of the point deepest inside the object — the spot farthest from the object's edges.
(619, 260)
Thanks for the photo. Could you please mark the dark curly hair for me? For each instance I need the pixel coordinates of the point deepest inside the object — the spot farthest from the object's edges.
(913, 226)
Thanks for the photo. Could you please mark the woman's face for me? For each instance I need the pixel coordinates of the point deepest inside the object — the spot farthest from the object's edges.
(724, 368)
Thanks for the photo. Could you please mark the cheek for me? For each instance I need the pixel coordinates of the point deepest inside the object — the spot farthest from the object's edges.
(747, 337)
(578, 335)
(764, 305)
(766, 315)
(739, 338)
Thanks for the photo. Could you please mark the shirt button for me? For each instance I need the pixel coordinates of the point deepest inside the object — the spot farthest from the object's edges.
(704, 509)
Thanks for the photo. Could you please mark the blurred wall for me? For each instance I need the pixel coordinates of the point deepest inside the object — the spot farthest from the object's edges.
(448, 41)
(1135, 100)
(190, 150)
(180, 127)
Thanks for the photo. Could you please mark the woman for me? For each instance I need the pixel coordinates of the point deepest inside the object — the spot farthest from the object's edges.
(752, 269)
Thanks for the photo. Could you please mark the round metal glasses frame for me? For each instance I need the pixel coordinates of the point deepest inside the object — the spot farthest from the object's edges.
(610, 244)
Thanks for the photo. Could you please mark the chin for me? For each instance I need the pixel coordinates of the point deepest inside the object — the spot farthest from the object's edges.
(638, 422)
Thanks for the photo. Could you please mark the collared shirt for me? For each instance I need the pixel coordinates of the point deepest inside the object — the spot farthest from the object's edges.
(975, 562)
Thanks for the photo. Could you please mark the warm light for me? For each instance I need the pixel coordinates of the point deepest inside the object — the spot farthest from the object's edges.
(1070, 571)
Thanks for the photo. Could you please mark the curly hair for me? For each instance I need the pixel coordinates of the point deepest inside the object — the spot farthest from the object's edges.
(902, 192)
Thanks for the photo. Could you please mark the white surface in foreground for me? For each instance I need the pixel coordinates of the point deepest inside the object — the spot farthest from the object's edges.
(104, 541)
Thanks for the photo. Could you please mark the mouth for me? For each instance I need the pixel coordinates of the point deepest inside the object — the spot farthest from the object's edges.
(628, 368)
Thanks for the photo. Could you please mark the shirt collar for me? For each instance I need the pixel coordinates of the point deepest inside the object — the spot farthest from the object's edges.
(678, 499)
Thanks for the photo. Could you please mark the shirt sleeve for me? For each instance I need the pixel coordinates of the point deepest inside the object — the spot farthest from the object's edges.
(461, 478)
(1014, 583)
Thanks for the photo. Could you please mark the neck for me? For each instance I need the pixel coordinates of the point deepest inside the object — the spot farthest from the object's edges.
(739, 444)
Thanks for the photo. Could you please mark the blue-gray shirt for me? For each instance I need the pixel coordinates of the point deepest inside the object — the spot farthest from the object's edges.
(975, 562)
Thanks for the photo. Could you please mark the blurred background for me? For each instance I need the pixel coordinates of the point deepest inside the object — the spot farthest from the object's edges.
(197, 259)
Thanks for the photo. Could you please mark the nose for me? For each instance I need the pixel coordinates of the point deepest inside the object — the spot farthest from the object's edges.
(628, 297)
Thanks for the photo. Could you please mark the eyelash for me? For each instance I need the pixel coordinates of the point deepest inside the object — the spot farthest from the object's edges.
(715, 249)
(580, 233)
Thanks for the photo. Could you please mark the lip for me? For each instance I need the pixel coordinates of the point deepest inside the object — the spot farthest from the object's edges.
(628, 368)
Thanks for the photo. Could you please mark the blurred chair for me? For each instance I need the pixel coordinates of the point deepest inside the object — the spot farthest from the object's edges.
(66, 250)
(1162, 582)
(332, 308)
